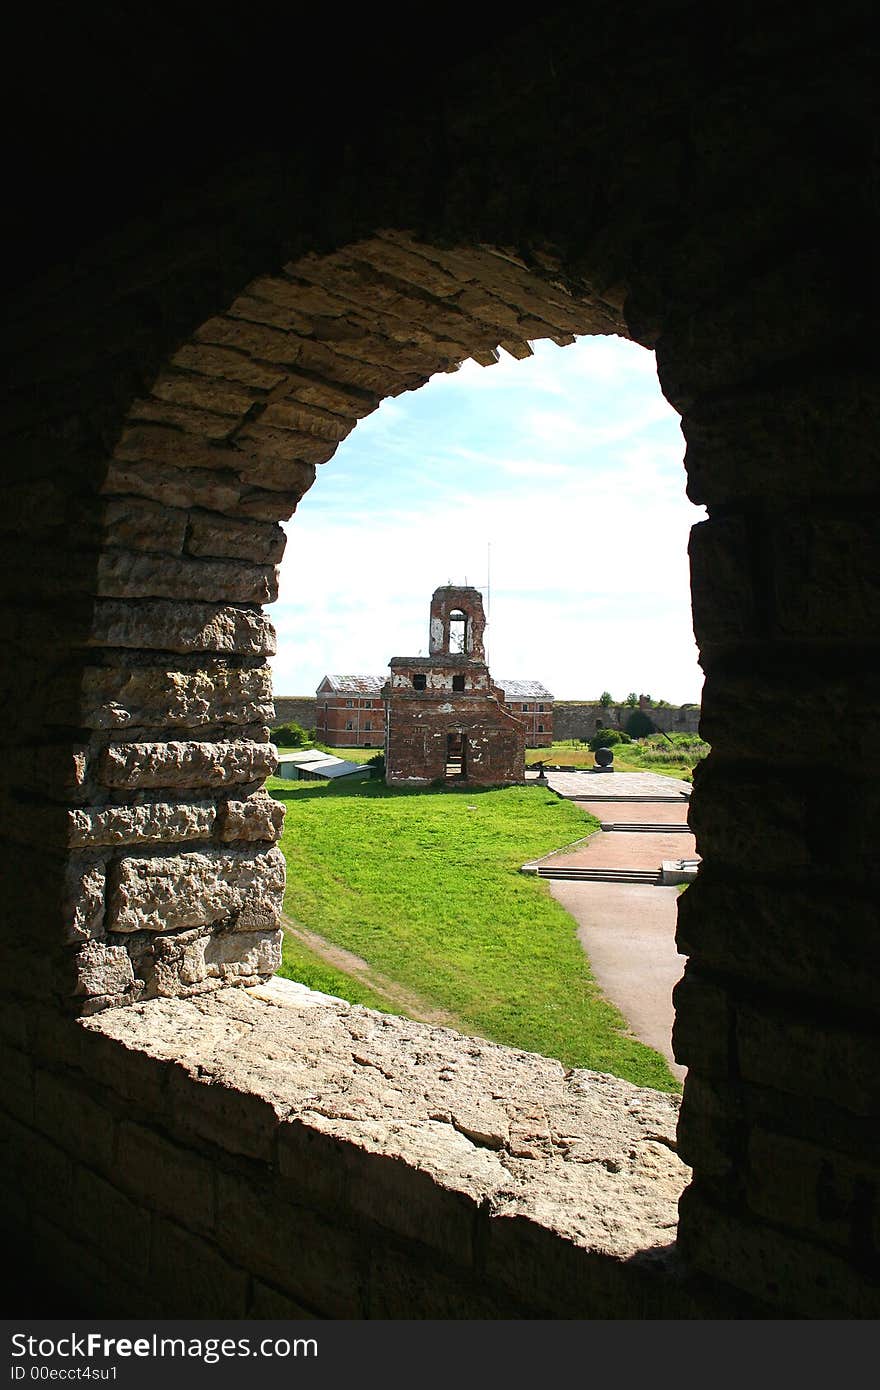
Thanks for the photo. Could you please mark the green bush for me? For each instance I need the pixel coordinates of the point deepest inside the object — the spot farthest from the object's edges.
(639, 725)
(377, 762)
(607, 738)
(289, 736)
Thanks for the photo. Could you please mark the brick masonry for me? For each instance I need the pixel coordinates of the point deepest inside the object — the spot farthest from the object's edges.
(445, 719)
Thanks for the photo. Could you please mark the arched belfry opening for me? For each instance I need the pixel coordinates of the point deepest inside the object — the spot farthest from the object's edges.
(176, 385)
(457, 623)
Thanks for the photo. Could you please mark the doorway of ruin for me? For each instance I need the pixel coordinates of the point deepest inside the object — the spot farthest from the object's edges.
(456, 757)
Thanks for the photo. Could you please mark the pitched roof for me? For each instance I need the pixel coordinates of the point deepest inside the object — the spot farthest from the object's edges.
(353, 685)
(524, 690)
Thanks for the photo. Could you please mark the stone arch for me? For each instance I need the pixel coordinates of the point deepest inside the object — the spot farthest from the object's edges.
(173, 834)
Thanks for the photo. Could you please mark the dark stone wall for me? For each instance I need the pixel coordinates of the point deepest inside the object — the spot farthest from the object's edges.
(177, 367)
(296, 709)
(580, 719)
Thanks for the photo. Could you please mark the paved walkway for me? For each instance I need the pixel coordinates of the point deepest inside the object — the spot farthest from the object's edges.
(628, 929)
(655, 812)
(621, 849)
(628, 933)
(593, 785)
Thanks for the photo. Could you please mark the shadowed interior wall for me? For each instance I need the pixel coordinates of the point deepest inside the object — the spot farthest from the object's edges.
(173, 390)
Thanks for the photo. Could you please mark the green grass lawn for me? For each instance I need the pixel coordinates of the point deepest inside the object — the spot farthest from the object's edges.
(646, 755)
(424, 885)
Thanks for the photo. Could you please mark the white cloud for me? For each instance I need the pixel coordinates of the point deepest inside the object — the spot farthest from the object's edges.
(585, 512)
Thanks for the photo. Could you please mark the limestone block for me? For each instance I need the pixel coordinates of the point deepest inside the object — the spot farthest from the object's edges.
(196, 888)
(708, 1136)
(259, 817)
(83, 906)
(106, 1217)
(295, 414)
(782, 718)
(181, 453)
(825, 576)
(163, 625)
(103, 969)
(812, 1188)
(79, 1123)
(786, 936)
(806, 1058)
(185, 764)
(230, 366)
(204, 393)
(793, 1276)
(721, 581)
(259, 542)
(114, 697)
(765, 821)
(203, 424)
(142, 525)
(132, 574)
(189, 1273)
(171, 1178)
(702, 1024)
(174, 487)
(126, 825)
(788, 438)
(188, 962)
(261, 1234)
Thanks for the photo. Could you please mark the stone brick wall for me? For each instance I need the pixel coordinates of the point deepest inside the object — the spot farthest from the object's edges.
(580, 719)
(173, 387)
(296, 709)
(210, 1158)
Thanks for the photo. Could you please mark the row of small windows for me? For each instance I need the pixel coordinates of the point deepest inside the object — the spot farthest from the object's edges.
(420, 682)
(368, 726)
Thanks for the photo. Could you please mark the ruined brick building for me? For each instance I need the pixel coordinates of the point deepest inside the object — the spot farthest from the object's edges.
(532, 704)
(444, 717)
(349, 712)
(183, 352)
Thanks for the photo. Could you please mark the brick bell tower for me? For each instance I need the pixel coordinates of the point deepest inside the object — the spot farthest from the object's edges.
(445, 721)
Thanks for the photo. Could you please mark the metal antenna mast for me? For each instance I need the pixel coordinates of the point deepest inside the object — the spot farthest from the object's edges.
(488, 591)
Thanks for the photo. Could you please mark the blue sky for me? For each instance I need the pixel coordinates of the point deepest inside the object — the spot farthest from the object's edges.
(569, 464)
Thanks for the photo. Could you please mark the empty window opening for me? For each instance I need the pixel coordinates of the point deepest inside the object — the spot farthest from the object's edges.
(458, 631)
(456, 757)
(419, 682)
(368, 726)
(540, 728)
(458, 682)
(350, 724)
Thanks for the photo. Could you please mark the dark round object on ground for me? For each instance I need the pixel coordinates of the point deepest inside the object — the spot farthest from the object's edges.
(604, 757)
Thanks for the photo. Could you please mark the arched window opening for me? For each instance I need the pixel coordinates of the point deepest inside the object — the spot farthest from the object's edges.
(458, 632)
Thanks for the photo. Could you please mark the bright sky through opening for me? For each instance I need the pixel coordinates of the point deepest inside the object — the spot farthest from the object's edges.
(569, 464)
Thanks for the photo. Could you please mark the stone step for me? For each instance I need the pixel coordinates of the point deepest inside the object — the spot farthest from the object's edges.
(646, 827)
(587, 795)
(598, 875)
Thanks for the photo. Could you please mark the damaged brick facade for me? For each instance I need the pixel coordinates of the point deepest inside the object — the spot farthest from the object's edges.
(444, 717)
(350, 712)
